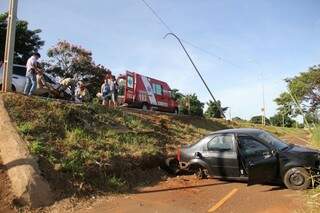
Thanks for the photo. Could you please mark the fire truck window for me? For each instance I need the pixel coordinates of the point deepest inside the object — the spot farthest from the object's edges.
(157, 89)
(130, 81)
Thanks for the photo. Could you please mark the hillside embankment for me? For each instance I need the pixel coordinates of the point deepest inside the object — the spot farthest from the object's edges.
(28, 186)
(89, 149)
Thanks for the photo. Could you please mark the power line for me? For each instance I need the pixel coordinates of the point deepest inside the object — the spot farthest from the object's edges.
(158, 17)
(154, 12)
(212, 54)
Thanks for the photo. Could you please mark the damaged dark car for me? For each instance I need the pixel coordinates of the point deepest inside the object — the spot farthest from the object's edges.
(249, 154)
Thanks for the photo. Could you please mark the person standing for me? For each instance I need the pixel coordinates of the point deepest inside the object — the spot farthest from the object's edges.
(31, 79)
(114, 95)
(105, 92)
(111, 86)
(81, 93)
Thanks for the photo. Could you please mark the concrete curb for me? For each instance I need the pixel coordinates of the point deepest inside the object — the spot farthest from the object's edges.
(27, 185)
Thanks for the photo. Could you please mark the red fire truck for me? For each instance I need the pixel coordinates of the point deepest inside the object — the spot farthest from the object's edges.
(139, 91)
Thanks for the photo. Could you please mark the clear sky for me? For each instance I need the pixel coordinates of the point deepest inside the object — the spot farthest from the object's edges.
(276, 38)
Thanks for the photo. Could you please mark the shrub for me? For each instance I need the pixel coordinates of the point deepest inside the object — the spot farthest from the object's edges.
(316, 136)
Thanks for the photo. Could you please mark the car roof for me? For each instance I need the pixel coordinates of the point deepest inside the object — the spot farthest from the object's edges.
(238, 130)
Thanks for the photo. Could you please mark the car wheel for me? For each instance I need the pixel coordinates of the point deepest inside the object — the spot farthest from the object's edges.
(13, 88)
(172, 166)
(201, 173)
(297, 178)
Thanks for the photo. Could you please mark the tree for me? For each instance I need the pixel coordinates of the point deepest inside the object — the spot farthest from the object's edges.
(71, 61)
(258, 120)
(286, 104)
(238, 119)
(176, 95)
(213, 110)
(282, 120)
(27, 41)
(190, 104)
(305, 88)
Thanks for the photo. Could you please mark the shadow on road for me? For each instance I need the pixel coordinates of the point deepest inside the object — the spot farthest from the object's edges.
(275, 188)
(179, 188)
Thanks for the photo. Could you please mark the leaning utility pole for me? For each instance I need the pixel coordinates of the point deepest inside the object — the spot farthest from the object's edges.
(194, 66)
(9, 47)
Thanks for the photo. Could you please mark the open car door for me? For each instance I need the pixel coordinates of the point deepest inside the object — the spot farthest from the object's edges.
(263, 170)
(260, 161)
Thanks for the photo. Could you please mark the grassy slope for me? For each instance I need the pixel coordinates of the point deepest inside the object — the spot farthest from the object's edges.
(95, 148)
(313, 196)
(89, 147)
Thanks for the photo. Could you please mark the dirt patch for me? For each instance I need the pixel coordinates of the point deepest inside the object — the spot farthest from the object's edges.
(6, 196)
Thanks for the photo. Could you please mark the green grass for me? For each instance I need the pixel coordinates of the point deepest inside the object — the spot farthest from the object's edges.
(313, 196)
(313, 200)
(316, 136)
(97, 148)
(94, 148)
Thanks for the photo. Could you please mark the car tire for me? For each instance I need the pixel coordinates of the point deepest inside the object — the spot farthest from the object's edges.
(297, 178)
(13, 88)
(201, 173)
(172, 165)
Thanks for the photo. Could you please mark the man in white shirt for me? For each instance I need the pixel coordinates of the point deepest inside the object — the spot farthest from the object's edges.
(31, 79)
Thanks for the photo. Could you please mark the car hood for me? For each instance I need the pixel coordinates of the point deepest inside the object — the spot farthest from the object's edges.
(301, 149)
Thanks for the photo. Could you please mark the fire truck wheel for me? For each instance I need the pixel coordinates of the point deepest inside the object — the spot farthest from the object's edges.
(144, 107)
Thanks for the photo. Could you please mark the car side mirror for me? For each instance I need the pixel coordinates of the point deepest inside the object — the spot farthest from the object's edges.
(273, 152)
(197, 155)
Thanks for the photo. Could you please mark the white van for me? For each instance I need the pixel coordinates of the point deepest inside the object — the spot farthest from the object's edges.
(19, 80)
(18, 77)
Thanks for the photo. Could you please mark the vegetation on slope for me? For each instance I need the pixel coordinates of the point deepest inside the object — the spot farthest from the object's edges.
(90, 147)
(316, 136)
(313, 197)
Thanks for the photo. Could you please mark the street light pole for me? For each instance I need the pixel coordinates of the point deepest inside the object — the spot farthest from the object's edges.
(263, 102)
(9, 47)
(205, 84)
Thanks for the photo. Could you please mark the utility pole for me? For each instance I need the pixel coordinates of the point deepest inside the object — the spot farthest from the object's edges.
(203, 81)
(263, 103)
(263, 109)
(305, 121)
(9, 47)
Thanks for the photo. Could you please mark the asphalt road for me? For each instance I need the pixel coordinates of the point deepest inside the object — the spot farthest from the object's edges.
(187, 194)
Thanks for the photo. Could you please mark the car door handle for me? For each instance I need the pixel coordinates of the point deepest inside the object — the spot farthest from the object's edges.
(266, 156)
(15, 77)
